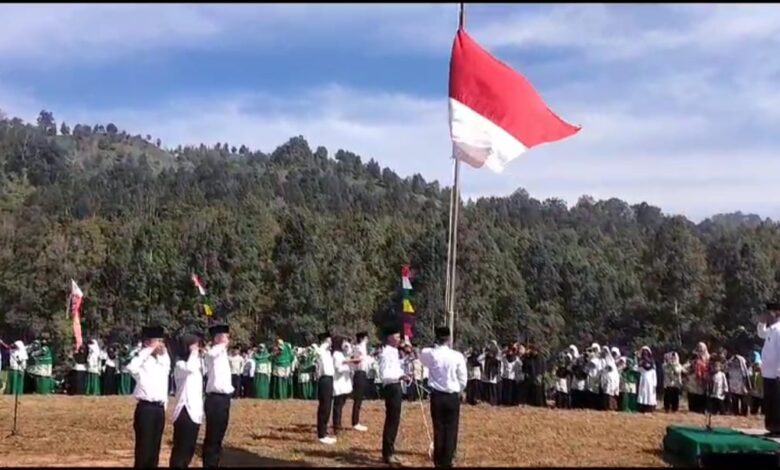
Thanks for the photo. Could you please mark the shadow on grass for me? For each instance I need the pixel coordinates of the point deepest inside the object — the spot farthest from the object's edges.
(351, 457)
(242, 458)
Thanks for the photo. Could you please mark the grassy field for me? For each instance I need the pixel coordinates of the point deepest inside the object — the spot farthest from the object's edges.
(97, 431)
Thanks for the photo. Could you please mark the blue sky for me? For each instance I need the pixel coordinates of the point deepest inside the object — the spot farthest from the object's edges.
(680, 104)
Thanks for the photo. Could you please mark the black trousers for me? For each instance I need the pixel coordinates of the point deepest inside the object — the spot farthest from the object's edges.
(697, 403)
(562, 400)
(755, 405)
(78, 384)
(338, 407)
(718, 406)
(324, 405)
(109, 381)
(671, 399)
(217, 408)
(359, 387)
(246, 386)
(738, 404)
(393, 399)
(235, 380)
(771, 404)
(148, 423)
(507, 392)
(490, 393)
(445, 414)
(185, 438)
(472, 392)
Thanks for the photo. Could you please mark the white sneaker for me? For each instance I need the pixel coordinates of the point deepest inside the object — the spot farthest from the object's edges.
(360, 427)
(328, 440)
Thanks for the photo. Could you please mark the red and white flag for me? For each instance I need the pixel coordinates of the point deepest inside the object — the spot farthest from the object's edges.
(198, 284)
(76, 297)
(495, 113)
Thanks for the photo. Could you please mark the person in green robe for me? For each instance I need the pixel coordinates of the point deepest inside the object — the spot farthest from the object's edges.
(42, 368)
(282, 364)
(629, 382)
(93, 368)
(307, 366)
(262, 372)
(17, 366)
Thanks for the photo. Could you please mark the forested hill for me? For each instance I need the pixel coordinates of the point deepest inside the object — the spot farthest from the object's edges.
(298, 240)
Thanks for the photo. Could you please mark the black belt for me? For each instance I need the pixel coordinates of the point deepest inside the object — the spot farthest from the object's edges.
(219, 394)
(151, 403)
(439, 392)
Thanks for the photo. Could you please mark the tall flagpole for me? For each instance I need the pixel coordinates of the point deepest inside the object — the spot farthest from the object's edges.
(452, 239)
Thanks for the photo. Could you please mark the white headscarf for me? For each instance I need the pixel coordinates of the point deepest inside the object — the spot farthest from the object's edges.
(574, 351)
(615, 351)
(21, 351)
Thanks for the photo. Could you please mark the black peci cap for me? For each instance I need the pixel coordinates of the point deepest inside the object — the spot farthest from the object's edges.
(152, 332)
(391, 328)
(323, 336)
(214, 330)
(442, 332)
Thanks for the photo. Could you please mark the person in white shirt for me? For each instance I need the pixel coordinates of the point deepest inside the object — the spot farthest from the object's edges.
(248, 374)
(769, 330)
(236, 361)
(93, 367)
(391, 374)
(219, 389)
(342, 379)
(360, 383)
(150, 370)
(719, 391)
(647, 381)
(325, 371)
(447, 379)
(188, 413)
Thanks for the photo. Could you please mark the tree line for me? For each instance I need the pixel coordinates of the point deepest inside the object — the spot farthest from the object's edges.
(296, 241)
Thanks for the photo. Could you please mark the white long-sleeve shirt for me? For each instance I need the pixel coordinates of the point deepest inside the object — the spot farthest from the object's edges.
(151, 376)
(390, 369)
(342, 378)
(720, 386)
(236, 362)
(324, 362)
(770, 353)
(218, 370)
(361, 351)
(189, 388)
(447, 369)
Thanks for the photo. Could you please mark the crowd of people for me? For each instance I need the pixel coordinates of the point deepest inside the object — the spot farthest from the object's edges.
(600, 378)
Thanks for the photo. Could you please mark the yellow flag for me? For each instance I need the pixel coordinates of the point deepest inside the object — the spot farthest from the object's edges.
(408, 306)
(207, 309)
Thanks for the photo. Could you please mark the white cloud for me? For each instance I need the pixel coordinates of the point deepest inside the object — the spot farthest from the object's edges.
(678, 103)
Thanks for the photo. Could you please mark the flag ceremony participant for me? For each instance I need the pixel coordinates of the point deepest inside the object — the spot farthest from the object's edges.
(769, 330)
(447, 378)
(219, 389)
(325, 371)
(391, 373)
(188, 413)
(360, 379)
(150, 370)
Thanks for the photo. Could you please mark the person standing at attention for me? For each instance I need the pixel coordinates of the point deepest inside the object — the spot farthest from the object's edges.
(360, 379)
(218, 392)
(447, 379)
(188, 413)
(325, 371)
(150, 370)
(391, 373)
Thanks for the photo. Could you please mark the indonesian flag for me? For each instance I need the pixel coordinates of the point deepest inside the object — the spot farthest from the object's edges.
(198, 284)
(76, 297)
(406, 304)
(495, 113)
(202, 291)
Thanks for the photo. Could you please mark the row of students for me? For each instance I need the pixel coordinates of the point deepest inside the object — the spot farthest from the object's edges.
(151, 367)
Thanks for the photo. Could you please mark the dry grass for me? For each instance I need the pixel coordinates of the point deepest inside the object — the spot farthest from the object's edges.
(97, 431)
